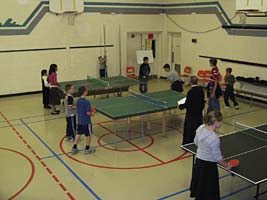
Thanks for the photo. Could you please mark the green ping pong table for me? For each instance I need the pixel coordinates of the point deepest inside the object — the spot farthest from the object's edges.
(138, 105)
(116, 84)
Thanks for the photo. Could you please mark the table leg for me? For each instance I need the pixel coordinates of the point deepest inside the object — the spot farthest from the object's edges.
(257, 192)
(164, 123)
(129, 127)
(115, 133)
(142, 126)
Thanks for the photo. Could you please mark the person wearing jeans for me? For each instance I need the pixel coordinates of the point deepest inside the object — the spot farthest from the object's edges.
(214, 90)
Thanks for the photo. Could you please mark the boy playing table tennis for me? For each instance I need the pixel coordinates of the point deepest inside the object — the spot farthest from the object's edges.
(84, 121)
(144, 72)
(205, 179)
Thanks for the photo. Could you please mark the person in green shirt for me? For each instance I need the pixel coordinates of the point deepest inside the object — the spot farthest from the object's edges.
(229, 90)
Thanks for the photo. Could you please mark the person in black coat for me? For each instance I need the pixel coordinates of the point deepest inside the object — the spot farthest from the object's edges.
(194, 105)
(144, 72)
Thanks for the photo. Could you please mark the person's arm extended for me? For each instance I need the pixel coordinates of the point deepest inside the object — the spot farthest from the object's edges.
(188, 101)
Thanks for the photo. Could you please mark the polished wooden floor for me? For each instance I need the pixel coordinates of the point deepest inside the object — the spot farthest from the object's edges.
(36, 162)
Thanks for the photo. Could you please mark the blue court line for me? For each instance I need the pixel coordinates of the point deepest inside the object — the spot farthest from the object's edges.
(187, 189)
(62, 162)
(237, 191)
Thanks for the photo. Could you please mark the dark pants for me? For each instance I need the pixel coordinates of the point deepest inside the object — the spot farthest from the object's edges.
(190, 127)
(229, 93)
(71, 126)
(143, 85)
(205, 181)
(46, 96)
(103, 73)
(177, 86)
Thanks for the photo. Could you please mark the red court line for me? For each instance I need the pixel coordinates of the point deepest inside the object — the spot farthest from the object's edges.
(180, 157)
(49, 170)
(124, 150)
(62, 186)
(31, 176)
(38, 158)
(55, 178)
(42, 162)
(136, 146)
(70, 196)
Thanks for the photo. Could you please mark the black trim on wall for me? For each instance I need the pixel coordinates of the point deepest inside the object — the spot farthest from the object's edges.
(237, 61)
(20, 94)
(54, 49)
(26, 50)
(89, 47)
(245, 26)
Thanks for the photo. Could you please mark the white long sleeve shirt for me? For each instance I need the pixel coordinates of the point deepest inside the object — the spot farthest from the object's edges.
(208, 145)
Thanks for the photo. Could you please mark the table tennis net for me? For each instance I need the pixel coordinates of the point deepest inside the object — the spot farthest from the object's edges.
(99, 82)
(149, 99)
(254, 132)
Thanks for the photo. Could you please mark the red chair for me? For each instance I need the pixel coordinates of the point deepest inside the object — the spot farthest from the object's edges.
(130, 72)
(187, 72)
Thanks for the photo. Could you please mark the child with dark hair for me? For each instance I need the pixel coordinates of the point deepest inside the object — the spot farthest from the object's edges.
(70, 112)
(144, 72)
(84, 122)
(229, 90)
(205, 178)
(45, 89)
(103, 66)
(174, 79)
(54, 91)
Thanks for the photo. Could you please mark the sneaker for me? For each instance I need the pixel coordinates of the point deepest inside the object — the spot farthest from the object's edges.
(69, 139)
(227, 107)
(89, 151)
(54, 113)
(74, 151)
(237, 107)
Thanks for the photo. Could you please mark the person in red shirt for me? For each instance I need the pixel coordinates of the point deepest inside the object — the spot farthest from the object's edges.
(214, 90)
(54, 96)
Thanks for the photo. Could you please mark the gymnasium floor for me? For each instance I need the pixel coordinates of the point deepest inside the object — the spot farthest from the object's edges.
(36, 164)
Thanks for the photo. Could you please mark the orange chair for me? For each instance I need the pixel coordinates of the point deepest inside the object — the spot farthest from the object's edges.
(130, 72)
(187, 72)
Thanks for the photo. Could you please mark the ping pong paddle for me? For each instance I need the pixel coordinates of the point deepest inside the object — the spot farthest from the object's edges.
(93, 110)
(234, 162)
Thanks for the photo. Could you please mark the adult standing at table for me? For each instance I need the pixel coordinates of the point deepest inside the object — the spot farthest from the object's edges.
(214, 91)
(103, 66)
(174, 79)
(144, 72)
(194, 105)
(205, 177)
